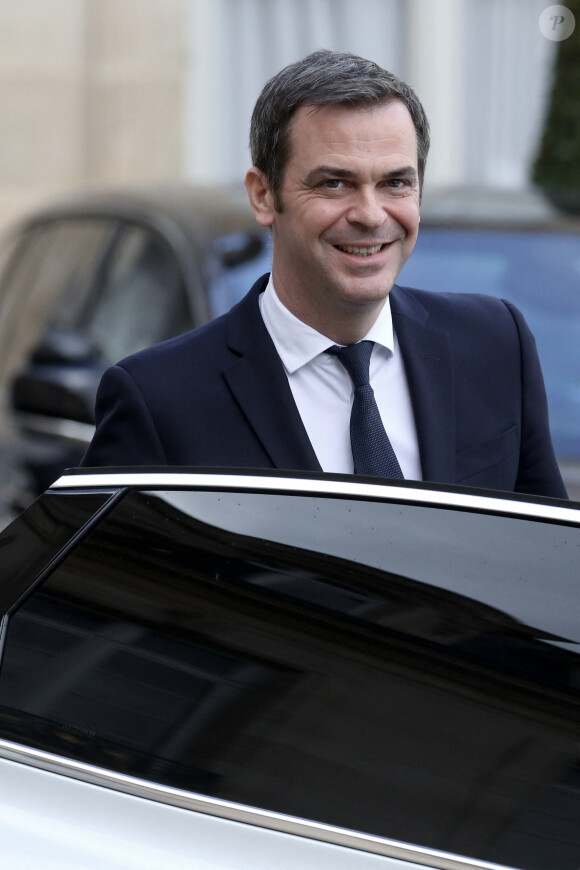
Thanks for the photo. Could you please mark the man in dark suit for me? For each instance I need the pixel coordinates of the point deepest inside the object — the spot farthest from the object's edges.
(327, 364)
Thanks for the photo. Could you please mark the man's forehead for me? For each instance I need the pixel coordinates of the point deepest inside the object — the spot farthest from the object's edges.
(391, 114)
(343, 124)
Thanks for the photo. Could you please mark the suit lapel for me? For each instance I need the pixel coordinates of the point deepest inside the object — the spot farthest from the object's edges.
(258, 382)
(427, 356)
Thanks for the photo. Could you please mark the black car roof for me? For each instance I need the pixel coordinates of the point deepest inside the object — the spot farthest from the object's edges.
(191, 208)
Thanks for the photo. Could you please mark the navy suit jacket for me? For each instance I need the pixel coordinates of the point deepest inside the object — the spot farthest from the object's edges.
(219, 396)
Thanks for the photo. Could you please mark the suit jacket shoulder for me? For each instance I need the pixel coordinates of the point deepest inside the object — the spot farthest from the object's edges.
(217, 396)
(477, 390)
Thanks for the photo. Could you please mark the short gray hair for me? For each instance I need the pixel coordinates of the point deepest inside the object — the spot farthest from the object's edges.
(324, 78)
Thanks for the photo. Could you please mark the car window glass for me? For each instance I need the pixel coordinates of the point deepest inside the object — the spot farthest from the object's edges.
(258, 649)
(55, 265)
(71, 264)
(141, 299)
(451, 556)
(8, 245)
(515, 265)
(241, 260)
(37, 536)
(19, 282)
(15, 279)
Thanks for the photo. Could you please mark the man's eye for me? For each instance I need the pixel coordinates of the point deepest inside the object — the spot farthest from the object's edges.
(333, 184)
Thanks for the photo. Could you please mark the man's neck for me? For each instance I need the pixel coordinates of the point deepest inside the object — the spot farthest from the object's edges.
(343, 325)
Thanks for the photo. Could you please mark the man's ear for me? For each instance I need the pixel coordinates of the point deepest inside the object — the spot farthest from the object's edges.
(260, 196)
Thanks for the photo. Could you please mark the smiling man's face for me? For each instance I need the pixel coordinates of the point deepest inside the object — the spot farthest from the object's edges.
(349, 212)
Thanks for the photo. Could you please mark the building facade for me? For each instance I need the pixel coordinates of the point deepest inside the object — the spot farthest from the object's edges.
(102, 92)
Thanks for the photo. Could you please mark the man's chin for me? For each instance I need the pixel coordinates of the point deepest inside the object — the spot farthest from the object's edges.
(360, 299)
(369, 291)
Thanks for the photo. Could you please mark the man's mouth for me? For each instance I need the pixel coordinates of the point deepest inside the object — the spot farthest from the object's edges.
(360, 250)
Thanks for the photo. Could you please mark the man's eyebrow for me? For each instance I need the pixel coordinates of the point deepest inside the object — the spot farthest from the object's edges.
(405, 171)
(319, 173)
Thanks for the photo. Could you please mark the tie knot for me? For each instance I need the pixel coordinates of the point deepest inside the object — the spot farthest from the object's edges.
(356, 359)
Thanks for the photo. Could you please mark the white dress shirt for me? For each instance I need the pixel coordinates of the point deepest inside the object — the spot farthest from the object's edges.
(323, 391)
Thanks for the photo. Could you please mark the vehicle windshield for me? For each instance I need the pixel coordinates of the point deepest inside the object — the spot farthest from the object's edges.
(539, 271)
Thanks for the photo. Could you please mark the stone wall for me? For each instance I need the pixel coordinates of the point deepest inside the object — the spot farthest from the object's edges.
(90, 94)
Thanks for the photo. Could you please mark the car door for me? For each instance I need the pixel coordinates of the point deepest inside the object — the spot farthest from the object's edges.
(331, 671)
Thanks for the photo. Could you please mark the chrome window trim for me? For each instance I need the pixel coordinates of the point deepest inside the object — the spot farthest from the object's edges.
(238, 812)
(353, 489)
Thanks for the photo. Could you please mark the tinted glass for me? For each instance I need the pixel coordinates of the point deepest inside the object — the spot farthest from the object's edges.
(241, 260)
(7, 246)
(537, 271)
(407, 671)
(139, 300)
(37, 536)
(57, 260)
(69, 268)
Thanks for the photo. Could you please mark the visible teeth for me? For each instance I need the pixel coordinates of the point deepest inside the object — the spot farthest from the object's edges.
(363, 252)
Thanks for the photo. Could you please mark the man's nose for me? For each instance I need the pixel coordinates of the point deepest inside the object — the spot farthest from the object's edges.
(367, 208)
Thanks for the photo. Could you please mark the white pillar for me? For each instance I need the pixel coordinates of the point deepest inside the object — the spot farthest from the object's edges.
(200, 91)
(435, 67)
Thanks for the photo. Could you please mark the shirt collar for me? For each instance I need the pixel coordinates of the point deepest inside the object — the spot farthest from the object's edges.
(298, 344)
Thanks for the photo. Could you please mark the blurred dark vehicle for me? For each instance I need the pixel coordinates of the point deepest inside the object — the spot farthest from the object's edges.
(517, 247)
(100, 276)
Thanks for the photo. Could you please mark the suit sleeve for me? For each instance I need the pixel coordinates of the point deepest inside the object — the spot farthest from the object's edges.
(126, 433)
(538, 472)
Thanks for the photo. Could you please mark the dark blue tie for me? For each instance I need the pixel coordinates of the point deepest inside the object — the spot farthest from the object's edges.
(371, 449)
